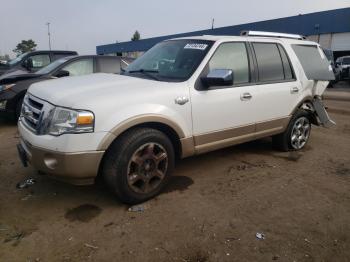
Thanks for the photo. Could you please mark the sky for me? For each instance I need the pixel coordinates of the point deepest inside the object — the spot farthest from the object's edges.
(81, 25)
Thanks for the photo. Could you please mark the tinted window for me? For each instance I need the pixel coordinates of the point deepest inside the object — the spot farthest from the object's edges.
(40, 60)
(108, 65)
(288, 72)
(346, 61)
(315, 64)
(81, 67)
(269, 62)
(232, 56)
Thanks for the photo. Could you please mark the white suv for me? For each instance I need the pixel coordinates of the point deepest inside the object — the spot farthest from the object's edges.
(181, 98)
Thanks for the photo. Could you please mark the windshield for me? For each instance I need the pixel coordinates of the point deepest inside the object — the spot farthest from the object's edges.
(51, 67)
(17, 59)
(174, 60)
(346, 61)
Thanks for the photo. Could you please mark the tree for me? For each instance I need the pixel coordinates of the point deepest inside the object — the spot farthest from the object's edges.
(5, 57)
(136, 36)
(24, 46)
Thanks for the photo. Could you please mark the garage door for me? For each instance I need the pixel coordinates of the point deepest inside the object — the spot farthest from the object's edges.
(341, 42)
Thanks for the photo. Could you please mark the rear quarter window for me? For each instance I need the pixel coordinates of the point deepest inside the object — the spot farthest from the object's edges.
(314, 62)
(108, 65)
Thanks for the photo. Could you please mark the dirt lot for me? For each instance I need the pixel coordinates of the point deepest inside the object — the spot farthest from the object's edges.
(212, 210)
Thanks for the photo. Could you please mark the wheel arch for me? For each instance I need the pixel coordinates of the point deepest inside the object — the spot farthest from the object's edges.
(306, 104)
(174, 132)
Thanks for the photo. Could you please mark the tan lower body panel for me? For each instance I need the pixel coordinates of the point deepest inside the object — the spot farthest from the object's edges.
(219, 139)
(76, 168)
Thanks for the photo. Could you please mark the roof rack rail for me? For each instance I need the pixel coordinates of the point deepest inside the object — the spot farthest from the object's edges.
(272, 34)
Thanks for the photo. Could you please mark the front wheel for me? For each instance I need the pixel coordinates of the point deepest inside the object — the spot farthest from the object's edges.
(297, 134)
(138, 164)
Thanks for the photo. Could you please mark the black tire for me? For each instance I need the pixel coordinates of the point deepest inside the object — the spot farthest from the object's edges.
(284, 142)
(118, 162)
(18, 108)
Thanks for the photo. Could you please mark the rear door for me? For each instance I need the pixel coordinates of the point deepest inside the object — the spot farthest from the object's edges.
(277, 87)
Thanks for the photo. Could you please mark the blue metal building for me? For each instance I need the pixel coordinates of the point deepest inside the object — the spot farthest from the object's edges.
(330, 28)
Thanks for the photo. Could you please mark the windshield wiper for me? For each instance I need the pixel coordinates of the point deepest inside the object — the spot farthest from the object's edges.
(146, 72)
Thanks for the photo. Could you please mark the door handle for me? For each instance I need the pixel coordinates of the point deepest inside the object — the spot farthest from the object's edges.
(246, 96)
(294, 90)
(181, 100)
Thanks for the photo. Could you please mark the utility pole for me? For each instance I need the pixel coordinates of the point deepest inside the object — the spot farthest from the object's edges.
(49, 34)
(212, 23)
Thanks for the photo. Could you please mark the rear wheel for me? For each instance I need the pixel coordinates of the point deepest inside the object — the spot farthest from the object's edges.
(297, 133)
(138, 164)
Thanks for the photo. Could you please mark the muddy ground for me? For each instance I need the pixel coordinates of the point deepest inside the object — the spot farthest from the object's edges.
(211, 211)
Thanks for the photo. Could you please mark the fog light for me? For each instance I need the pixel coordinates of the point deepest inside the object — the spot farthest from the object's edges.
(50, 162)
(3, 104)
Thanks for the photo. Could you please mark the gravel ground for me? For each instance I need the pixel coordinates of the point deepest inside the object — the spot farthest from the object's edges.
(211, 211)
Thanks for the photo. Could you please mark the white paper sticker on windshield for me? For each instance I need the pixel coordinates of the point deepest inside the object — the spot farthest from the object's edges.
(196, 46)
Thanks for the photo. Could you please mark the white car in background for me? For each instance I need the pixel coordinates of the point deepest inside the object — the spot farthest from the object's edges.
(183, 97)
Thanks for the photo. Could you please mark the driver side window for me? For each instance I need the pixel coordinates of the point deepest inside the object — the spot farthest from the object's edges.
(232, 56)
(40, 61)
(81, 67)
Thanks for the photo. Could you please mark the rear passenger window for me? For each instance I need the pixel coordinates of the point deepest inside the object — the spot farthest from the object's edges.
(232, 56)
(288, 72)
(270, 66)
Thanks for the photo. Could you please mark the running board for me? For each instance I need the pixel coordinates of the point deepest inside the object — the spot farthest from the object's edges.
(322, 114)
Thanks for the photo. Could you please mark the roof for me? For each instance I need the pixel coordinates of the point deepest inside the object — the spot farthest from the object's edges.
(332, 21)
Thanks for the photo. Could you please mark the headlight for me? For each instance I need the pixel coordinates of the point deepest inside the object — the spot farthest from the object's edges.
(66, 120)
(5, 87)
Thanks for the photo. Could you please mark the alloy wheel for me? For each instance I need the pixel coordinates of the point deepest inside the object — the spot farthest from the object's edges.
(300, 132)
(147, 168)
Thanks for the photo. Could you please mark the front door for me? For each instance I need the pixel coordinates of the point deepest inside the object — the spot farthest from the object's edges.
(225, 115)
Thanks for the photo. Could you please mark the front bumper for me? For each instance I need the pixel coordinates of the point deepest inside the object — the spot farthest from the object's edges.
(76, 168)
(79, 167)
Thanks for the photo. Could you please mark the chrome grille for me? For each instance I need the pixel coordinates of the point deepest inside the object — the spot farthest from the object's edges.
(31, 113)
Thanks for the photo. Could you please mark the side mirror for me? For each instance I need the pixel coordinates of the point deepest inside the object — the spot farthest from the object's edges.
(62, 73)
(218, 77)
(28, 64)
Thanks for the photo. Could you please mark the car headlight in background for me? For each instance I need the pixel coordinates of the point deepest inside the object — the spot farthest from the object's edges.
(66, 120)
(5, 87)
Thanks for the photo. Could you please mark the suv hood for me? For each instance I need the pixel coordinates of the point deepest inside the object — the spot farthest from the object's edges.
(86, 92)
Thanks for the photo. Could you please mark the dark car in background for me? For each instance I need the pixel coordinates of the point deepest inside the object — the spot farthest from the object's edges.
(33, 61)
(13, 88)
